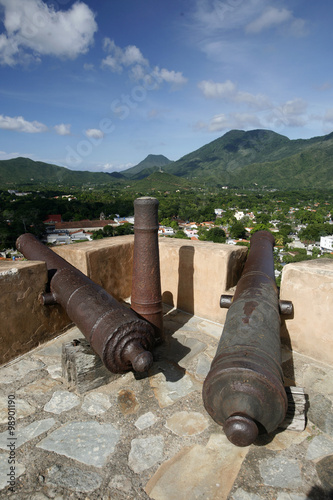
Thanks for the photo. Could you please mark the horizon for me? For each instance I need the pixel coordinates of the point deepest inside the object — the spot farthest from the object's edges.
(98, 87)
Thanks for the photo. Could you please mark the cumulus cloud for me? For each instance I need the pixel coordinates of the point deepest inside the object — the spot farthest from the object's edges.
(63, 129)
(132, 57)
(118, 57)
(19, 124)
(229, 92)
(176, 78)
(94, 133)
(35, 29)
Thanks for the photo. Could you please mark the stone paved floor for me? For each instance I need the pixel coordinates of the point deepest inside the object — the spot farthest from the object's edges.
(149, 436)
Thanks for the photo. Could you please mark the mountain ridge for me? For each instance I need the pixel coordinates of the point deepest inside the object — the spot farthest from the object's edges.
(259, 157)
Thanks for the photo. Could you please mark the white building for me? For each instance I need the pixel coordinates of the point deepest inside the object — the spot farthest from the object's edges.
(239, 215)
(326, 243)
(165, 231)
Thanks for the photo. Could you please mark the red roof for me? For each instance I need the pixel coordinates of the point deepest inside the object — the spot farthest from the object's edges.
(53, 218)
(84, 223)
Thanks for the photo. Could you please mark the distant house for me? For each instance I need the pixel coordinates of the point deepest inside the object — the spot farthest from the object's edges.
(165, 231)
(84, 225)
(326, 243)
(192, 233)
(52, 219)
(122, 220)
(58, 238)
(239, 215)
(80, 236)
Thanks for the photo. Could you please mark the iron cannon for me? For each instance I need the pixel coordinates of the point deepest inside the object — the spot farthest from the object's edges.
(121, 339)
(244, 389)
(146, 299)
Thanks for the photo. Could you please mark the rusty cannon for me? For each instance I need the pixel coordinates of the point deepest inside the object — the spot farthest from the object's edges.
(121, 339)
(146, 298)
(244, 389)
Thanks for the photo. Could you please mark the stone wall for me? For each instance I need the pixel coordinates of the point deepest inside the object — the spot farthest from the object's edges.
(193, 276)
(24, 321)
(309, 285)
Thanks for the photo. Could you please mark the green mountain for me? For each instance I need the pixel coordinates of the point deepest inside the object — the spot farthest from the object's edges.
(150, 164)
(25, 172)
(260, 157)
(238, 159)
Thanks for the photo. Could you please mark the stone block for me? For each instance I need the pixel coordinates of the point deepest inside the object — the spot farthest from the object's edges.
(82, 367)
(108, 262)
(194, 274)
(309, 285)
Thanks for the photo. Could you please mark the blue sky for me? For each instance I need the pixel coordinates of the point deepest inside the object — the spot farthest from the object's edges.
(99, 85)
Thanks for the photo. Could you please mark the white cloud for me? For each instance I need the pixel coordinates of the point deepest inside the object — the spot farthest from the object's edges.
(213, 90)
(271, 17)
(95, 133)
(114, 167)
(233, 121)
(291, 114)
(214, 19)
(19, 124)
(228, 91)
(63, 129)
(34, 29)
(118, 57)
(176, 78)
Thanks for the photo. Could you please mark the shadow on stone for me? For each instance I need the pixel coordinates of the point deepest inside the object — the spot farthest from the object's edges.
(318, 493)
(185, 295)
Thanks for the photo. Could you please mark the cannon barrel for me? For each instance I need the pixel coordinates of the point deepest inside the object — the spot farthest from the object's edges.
(121, 339)
(244, 389)
(146, 299)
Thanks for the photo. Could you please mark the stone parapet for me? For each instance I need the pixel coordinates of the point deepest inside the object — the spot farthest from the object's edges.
(108, 262)
(309, 285)
(24, 321)
(194, 274)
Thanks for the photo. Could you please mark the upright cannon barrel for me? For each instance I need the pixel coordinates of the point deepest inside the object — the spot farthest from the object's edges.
(121, 339)
(244, 389)
(146, 298)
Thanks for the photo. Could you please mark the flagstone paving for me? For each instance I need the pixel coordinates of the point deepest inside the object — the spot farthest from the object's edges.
(149, 436)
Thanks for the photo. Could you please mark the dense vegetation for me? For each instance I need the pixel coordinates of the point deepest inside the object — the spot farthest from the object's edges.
(19, 214)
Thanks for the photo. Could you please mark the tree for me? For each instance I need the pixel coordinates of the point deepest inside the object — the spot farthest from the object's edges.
(237, 230)
(216, 234)
(180, 234)
(259, 227)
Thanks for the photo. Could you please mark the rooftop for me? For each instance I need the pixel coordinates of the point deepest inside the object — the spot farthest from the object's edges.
(149, 436)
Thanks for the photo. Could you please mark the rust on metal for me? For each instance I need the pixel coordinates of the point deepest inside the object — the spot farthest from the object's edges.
(244, 389)
(146, 298)
(121, 339)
